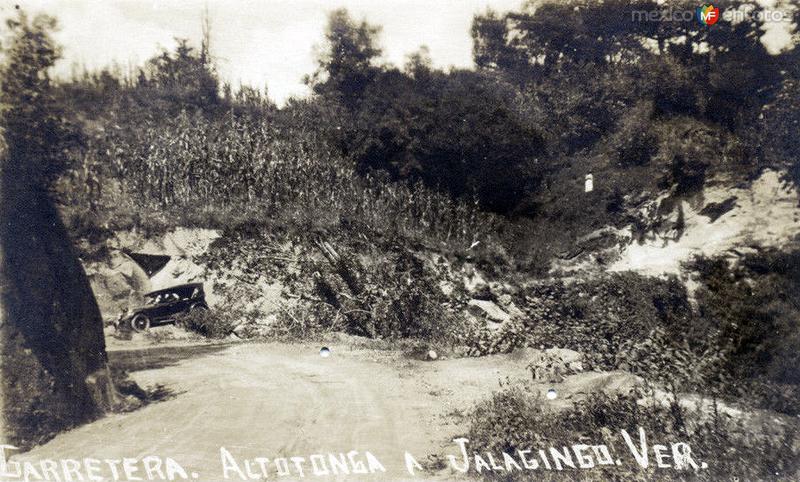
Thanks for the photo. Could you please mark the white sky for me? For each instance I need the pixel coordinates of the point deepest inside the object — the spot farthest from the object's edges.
(267, 42)
(255, 42)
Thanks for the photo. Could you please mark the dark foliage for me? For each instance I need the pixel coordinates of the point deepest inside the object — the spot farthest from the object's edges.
(753, 307)
(624, 320)
(347, 65)
(52, 347)
(514, 419)
(561, 91)
(460, 132)
(36, 135)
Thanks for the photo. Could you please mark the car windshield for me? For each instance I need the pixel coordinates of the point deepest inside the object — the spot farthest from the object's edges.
(161, 298)
(167, 297)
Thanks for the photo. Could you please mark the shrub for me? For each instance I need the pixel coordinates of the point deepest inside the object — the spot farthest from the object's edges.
(752, 310)
(216, 323)
(388, 293)
(305, 322)
(635, 145)
(514, 419)
(748, 314)
(613, 319)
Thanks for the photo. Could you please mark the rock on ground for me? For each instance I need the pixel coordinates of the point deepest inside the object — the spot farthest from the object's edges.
(489, 310)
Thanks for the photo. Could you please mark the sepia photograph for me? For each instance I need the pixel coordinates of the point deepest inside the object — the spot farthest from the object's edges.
(399, 240)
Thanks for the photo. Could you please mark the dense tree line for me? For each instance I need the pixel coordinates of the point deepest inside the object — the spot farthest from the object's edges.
(563, 89)
(560, 90)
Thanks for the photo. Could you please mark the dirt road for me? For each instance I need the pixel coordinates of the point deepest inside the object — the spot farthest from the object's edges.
(281, 401)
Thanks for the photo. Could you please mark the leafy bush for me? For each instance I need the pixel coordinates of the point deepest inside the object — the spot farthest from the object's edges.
(749, 315)
(304, 322)
(216, 323)
(389, 293)
(514, 419)
(481, 340)
(613, 320)
(461, 132)
(751, 306)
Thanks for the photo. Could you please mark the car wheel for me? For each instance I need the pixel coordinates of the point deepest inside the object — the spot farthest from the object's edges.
(140, 322)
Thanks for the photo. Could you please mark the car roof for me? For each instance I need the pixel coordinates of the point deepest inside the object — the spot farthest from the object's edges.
(175, 288)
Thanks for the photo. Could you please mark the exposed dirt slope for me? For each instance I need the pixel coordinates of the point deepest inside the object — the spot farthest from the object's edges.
(765, 214)
(119, 282)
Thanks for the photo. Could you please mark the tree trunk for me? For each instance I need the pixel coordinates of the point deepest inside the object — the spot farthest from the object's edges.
(53, 363)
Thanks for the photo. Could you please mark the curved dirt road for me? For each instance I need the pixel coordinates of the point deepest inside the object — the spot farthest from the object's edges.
(282, 401)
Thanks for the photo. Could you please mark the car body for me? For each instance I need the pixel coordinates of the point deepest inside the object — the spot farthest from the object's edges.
(165, 306)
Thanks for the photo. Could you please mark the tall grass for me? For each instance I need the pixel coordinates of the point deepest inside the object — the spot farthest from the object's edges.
(197, 170)
(517, 418)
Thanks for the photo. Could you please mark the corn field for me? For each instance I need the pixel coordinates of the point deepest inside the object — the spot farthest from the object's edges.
(283, 168)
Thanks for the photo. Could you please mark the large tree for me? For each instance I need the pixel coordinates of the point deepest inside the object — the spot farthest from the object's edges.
(346, 64)
(181, 79)
(727, 62)
(54, 372)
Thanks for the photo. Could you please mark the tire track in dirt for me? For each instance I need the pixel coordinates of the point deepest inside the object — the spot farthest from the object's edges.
(278, 400)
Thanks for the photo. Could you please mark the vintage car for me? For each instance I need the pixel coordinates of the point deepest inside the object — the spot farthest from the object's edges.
(165, 306)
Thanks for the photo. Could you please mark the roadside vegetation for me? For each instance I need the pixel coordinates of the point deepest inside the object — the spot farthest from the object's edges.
(447, 156)
(389, 179)
(515, 419)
